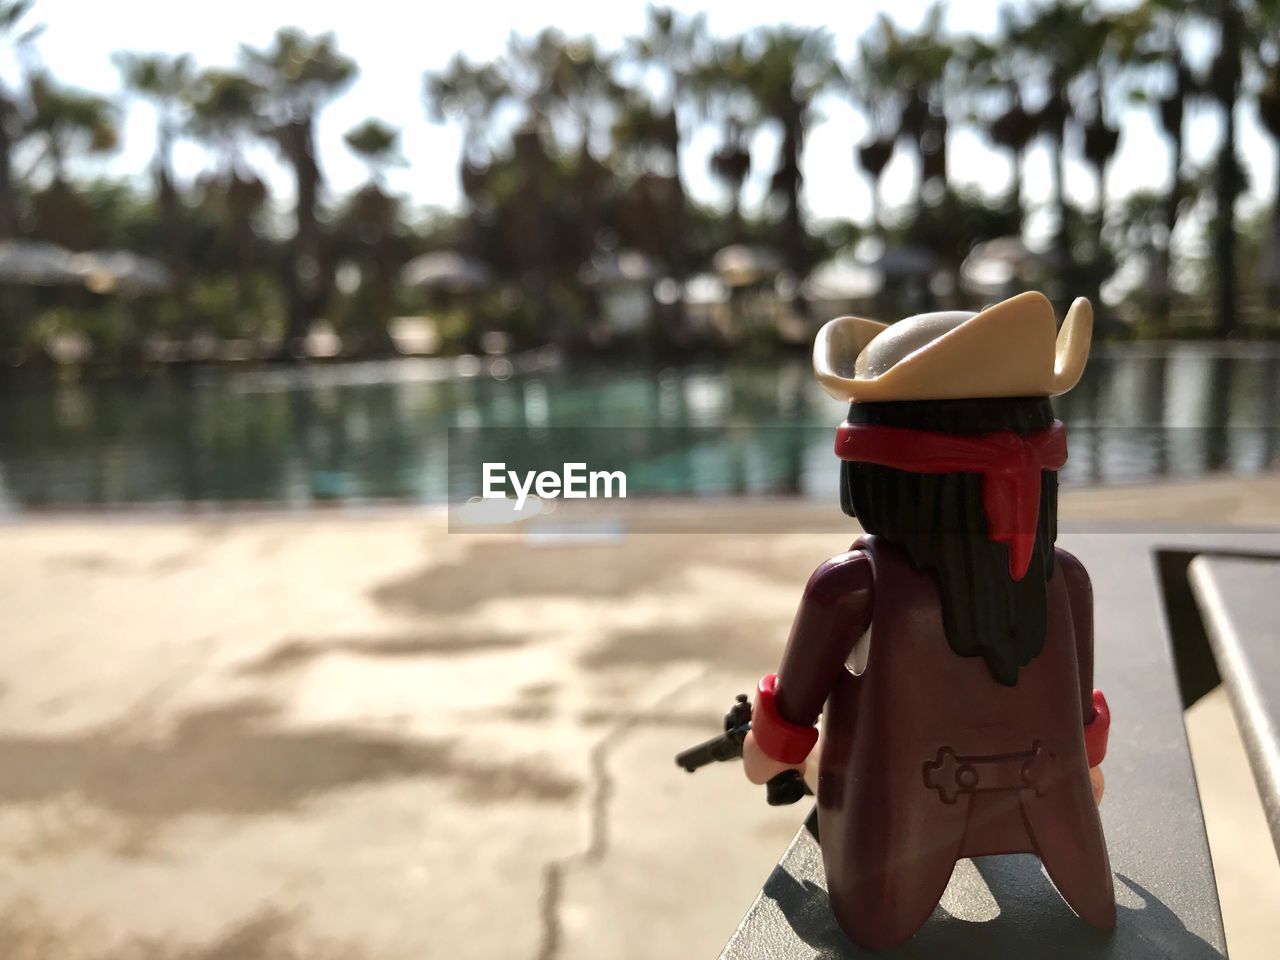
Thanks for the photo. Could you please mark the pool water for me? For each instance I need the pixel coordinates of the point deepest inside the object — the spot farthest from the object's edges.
(412, 430)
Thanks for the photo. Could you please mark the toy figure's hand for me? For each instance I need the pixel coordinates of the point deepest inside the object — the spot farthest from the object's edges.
(1095, 777)
(760, 768)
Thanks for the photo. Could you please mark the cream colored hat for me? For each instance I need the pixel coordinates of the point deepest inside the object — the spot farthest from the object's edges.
(1007, 350)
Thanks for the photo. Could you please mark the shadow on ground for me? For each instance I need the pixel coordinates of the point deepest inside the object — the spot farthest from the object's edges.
(298, 652)
(1029, 911)
(236, 759)
(743, 646)
(269, 935)
(510, 569)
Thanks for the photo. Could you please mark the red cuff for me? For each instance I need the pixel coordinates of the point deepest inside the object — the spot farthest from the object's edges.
(777, 738)
(1095, 731)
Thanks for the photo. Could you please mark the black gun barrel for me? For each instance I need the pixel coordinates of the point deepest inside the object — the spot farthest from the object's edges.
(727, 746)
(786, 788)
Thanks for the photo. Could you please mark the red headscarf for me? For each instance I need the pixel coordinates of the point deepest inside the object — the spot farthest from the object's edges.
(1010, 465)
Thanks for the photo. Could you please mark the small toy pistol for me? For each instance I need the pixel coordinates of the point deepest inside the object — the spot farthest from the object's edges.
(786, 788)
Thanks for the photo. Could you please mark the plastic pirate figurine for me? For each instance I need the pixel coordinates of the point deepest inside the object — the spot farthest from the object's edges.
(950, 650)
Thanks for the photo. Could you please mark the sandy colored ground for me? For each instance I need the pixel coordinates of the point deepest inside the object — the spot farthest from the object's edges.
(335, 735)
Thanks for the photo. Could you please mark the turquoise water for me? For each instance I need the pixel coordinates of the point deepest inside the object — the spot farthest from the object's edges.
(416, 430)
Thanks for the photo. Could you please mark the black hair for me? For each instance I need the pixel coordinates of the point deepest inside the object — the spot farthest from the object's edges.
(940, 521)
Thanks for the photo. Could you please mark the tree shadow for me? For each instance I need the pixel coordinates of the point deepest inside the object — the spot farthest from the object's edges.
(236, 760)
(744, 646)
(297, 652)
(266, 935)
(508, 570)
(676, 719)
(638, 567)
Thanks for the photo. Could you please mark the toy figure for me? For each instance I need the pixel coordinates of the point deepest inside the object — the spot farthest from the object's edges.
(950, 650)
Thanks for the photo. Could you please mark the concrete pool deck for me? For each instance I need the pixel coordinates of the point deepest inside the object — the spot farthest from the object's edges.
(356, 735)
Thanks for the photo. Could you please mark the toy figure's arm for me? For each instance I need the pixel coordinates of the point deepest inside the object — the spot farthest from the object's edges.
(1080, 598)
(834, 612)
(1095, 714)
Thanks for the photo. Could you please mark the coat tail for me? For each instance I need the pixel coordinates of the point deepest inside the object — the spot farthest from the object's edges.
(1066, 833)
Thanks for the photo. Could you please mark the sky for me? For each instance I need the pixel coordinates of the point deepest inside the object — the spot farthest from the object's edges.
(395, 42)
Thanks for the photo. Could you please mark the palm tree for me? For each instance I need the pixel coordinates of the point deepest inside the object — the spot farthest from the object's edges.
(672, 45)
(720, 85)
(371, 220)
(1265, 25)
(1172, 109)
(920, 63)
(1060, 37)
(640, 136)
(582, 93)
(166, 82)
(12, 13)
(377, 145)
(788, 69)
(566, 90)
(918, 66)
(471, 93)
(300, 74)
(528, 71)
(650, 212)
(224, 114)
(1117, 38)
(872, 82)
(995, 72)
(1158, 49)
(519, 192)
(1224, 87)
(66, 122)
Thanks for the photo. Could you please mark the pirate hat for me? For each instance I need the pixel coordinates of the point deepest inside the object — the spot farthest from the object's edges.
(1006, 350)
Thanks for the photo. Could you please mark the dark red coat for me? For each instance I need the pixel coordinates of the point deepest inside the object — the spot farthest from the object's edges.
(926, 758)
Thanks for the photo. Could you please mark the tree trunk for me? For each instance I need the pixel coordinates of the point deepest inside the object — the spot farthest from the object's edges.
(676, 221)
(679, 257)
(877, 214)
(1164, 294)
(1014, 201)
(1100, 212)
(795, 237)
(305, 286)
(382, 289)
(1226, 83)
(171, 225)
(1224, 232)
(1272, 255)
(8, 199)
(735, 211)
(239, 198)
(1097, 264)
(1065, 268)
(245, 263)
(793, 226)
